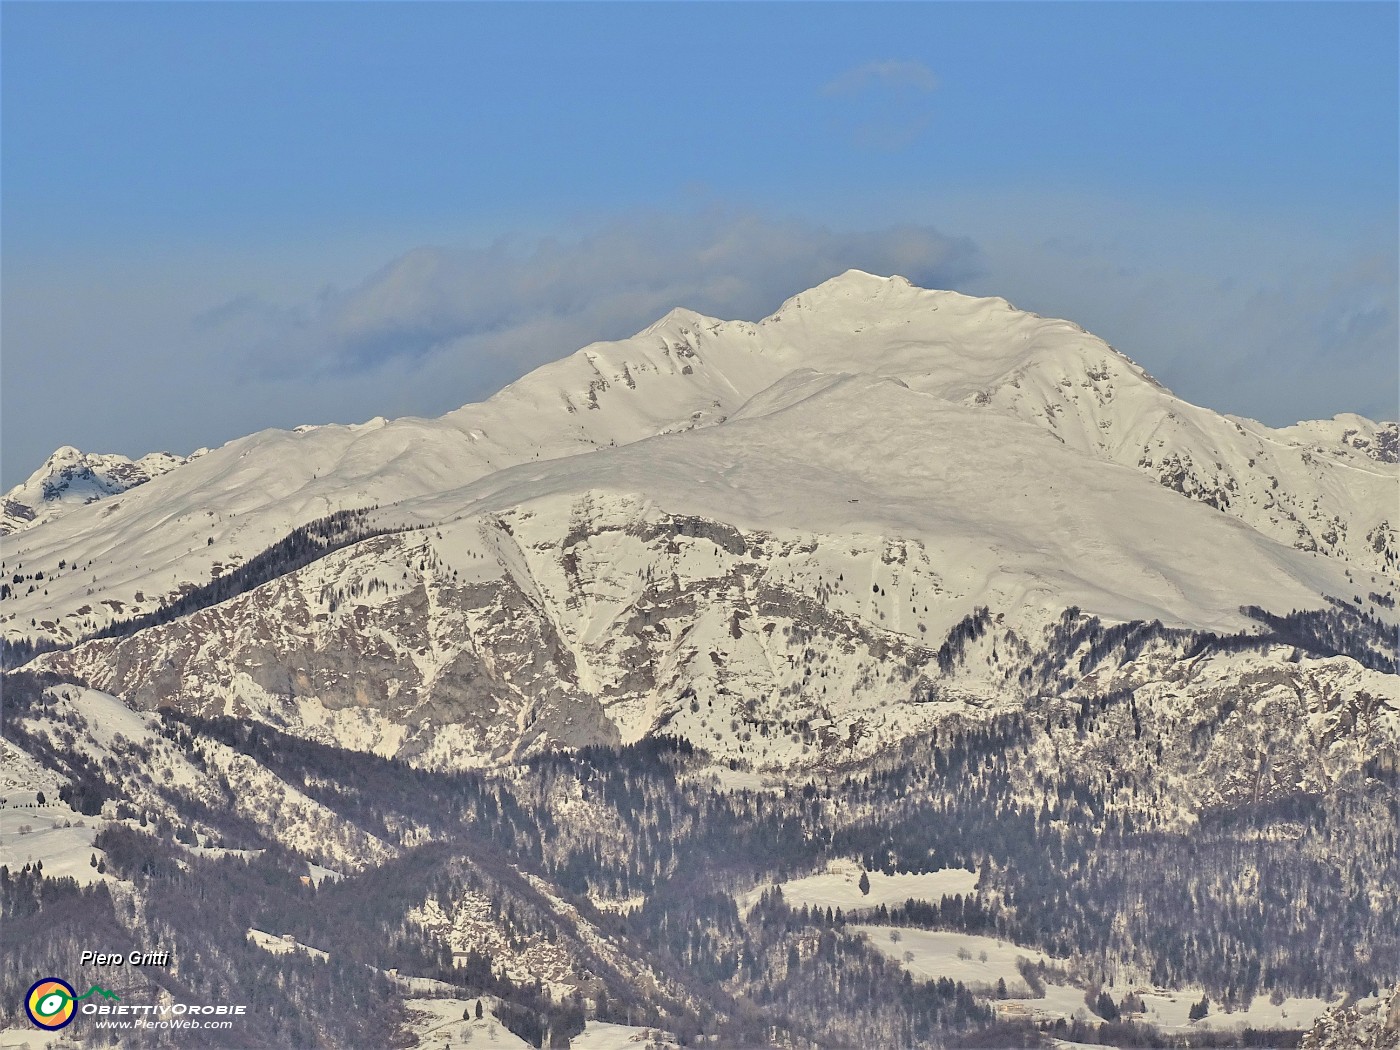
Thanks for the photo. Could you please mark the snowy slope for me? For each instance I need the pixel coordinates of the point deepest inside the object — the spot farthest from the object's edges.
(1325, 487)
(1329, 486)
(100, 728)
(598, 599)
(138, 550)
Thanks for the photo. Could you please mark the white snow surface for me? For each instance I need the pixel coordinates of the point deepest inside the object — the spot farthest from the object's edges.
(50, 832)
(979, 962)
(839, 887)
(1170, 1010)
(284, 945)
(53, 833)
(602, 1035)
(32, 1038)
(930, 954)
(437, 1024)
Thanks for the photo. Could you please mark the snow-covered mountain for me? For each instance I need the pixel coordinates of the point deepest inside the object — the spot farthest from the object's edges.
(725, 528)
(71, 478)
(899, 583)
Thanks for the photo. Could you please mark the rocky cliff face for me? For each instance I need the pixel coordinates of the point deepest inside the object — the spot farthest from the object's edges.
(1373, 1024)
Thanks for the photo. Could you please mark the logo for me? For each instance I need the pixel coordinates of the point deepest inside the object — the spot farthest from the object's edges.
(51, 1003)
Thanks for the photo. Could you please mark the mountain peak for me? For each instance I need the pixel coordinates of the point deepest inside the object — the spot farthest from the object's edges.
(679, 316)
(854, 278)
(851, 286)
(60, 457)
(860, 292)
(71, 477)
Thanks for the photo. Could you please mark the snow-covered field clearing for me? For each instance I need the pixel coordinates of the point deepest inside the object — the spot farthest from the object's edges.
(978, 962)
(1171, 1009)
(318, 874)
(600, 1035)
(839, 887)
(419, 985)
(33, 1039)
(51, 831)
(217, 852)
(617, 905)
(1060, 1001)
(281, 945)
(742, 780)
(59, 836)
(438, 1024)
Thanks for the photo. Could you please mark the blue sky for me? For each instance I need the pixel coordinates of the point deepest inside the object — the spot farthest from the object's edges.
(223, 217)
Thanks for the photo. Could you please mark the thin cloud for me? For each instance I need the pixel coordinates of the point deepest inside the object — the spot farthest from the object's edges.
(891, 72)
(513, 305)
(884, 106)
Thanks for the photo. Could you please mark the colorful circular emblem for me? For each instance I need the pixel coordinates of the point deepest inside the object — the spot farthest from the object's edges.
(50, 1003)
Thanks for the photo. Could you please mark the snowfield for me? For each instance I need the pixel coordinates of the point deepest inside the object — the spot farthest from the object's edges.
(1170, 1010)
(54, 834)
(600, 1035)
(32, 1038)
(839, 887)
(437, 1024)
(49, 832)
(283, 945)
(978, 962)
(865, 376)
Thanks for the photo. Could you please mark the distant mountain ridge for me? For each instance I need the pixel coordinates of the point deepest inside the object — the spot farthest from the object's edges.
(72, 478)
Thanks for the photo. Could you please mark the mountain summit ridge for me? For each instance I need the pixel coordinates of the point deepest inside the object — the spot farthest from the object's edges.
(1322, 489)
